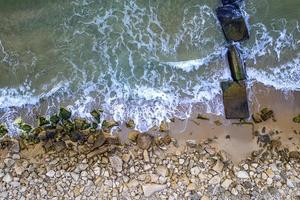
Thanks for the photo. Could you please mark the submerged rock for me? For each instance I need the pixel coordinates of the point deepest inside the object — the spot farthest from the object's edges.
(263, 115)
(144, 141)
(80, 124)
(130, 124)
(296, 119)
(42, 121)
(64, 113)
(109, 124)
(96, 114)
(199, 116)
(233, 23)
(163, 127)
(54, 119)
(237, 66)
(3, 130)
(235, 100)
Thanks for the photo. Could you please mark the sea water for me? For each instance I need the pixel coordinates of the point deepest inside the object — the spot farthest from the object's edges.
(136, 59)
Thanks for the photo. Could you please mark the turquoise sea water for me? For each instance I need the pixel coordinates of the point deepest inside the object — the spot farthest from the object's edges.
(137, 59)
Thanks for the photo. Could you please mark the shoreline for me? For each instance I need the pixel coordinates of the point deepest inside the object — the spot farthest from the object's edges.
(211, 159)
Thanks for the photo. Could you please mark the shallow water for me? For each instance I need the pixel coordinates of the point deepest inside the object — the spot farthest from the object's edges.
(137, 59)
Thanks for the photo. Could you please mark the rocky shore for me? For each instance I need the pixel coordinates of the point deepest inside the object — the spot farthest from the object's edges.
(72, 158)
(147, 168)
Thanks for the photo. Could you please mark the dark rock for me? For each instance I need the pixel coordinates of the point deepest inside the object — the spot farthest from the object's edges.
(54, 119)
(167, 139)
(25, 127)
(76, 136)
(42, 136)
(81, 124)
(48, 146)
(113, 140)
(144, 141)
(233, 23)
(96, 114)
(199, 116)
(265, 139)
(109, 124)
(296, 119)
(59, 146)
(235, 100)
(64, 113)
(263, 115)
(51, 133)
(237, 66)
(68, 125)
(294, 155)
(3, 130)
(42, 121)
(130, 124)
(99, 140)
(266, 114)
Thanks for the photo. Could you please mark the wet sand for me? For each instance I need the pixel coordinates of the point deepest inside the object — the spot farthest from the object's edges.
(239, 140)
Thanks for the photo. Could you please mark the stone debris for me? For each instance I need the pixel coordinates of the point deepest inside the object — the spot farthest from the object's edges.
(197, 171)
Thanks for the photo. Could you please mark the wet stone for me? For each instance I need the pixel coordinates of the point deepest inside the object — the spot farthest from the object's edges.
(233, 23)
(235, 100)
(64, 113)
(144, 141)
(236, 65)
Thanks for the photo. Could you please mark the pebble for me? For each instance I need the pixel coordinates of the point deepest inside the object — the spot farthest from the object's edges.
(162, 171)
(50, 173)
(150, 189)
(116, 163)
(226, 184)
(7, 178)
(242, 174)
(9, 162)
(195, 171)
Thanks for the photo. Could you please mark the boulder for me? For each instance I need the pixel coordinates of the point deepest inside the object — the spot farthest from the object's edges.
(144, 141)
(130, 124)
(3, 130)
(235, 100)
(296, 119)
(109, 124)
(64, 113)
(42, 121)
(237, 67)
(96, 115)
(54, 119)
(233, 23)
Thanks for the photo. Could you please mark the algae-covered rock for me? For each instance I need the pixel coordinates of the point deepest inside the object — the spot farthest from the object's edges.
(130, 124)
(23, 126)
(81, 124)
(263, 115)
(68, 125)
(199, 116)
(96, 114)
(42, 121)
(3, 130)
(163, 127)
(109, 124)
(233, 23)
(64, 113)
(235, 100)
(296, 119)
(54, 119)
(237, 66)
